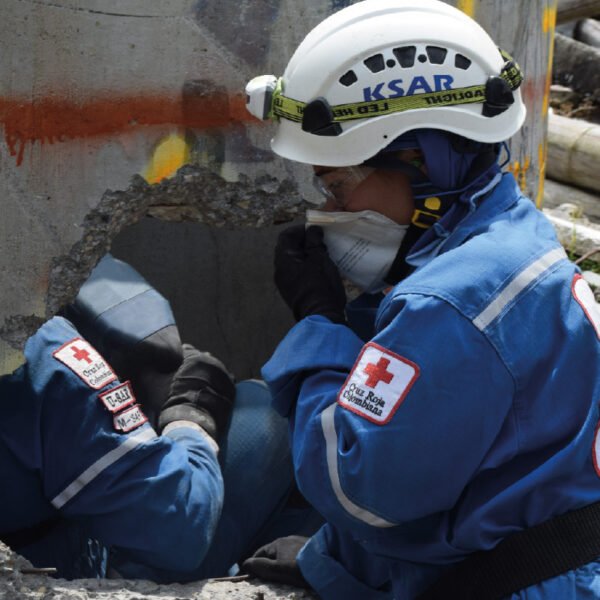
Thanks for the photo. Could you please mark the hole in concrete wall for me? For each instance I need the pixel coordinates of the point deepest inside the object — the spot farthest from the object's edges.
(219, 283)
(207, 245)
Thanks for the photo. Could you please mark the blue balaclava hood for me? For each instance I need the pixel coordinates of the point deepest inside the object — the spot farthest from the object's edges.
(456, 168)
(449, 158)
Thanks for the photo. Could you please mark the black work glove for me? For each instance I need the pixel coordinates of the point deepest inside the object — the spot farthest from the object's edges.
(277, 562)
(150, 366)
(202, 391)
(306, 277)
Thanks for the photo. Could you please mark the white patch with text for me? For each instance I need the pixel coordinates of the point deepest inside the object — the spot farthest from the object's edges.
(118, 398)
(129, 419)
(377, 384)
(86, 363)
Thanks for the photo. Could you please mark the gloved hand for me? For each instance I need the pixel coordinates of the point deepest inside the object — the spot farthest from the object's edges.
(202, 391)
(277, 561)
(149, 365)
(306, 277)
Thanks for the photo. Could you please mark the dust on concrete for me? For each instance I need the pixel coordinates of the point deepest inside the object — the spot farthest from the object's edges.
(18, 583)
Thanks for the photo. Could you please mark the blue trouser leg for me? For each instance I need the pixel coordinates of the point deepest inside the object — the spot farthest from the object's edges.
(258, 477)
(69, 550)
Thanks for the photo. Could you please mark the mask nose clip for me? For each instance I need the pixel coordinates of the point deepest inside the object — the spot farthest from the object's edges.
(317, 119)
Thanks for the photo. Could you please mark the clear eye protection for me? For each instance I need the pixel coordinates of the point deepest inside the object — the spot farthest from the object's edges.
(336, 184)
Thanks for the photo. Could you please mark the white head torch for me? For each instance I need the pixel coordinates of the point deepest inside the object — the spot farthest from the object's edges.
(259, 96)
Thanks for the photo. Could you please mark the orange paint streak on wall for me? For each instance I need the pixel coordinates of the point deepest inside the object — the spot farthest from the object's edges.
(55, 119)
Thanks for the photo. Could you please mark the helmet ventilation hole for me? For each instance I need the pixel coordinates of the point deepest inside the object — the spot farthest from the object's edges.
(436, 55)
(461, 62)
(348, 78)
(406, 56)
(375, 63)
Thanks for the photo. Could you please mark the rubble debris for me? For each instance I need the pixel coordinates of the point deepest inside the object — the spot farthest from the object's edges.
(20, 581)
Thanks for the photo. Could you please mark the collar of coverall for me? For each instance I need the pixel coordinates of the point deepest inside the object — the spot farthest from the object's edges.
(455, 168)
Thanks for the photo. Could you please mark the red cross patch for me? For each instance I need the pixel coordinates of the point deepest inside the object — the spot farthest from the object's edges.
(85, 362)
(585, 297)
(377, 384)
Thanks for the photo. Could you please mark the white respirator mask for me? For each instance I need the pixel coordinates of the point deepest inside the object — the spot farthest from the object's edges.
(363, 245)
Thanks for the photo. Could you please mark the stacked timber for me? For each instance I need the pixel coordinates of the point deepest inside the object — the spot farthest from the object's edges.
(572, 187)
(571, 10)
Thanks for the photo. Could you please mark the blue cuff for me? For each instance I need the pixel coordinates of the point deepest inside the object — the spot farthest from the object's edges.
(328, 577)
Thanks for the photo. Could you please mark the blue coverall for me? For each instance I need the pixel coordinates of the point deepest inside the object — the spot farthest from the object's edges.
(470, 412)
(82, 474)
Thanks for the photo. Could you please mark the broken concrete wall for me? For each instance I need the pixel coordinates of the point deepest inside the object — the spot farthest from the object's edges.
(101, 99)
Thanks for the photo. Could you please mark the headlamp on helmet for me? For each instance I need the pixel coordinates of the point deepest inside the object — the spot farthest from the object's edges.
(259, 96)
(376, 70)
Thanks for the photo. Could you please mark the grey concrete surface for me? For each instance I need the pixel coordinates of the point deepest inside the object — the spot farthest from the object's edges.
(17, 582)
(215, 280)
(95, 92)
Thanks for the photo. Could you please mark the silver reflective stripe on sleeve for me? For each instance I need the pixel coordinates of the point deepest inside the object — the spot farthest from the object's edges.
(175, 425)
(108, 459)
(516, 286)
(327, 423)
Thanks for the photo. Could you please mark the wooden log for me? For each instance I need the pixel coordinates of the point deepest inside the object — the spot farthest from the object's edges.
(573, 152)
(587, 31)
(569, 10)
(556, 193)
(577, 65)
(528, 34)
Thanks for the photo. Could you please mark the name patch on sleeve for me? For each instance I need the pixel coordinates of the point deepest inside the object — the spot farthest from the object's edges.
(585, 297)
(377, 384)
(118, 398)
(129, 419)
(86, 363)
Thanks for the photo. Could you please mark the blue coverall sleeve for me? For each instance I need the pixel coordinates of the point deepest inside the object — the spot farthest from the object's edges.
(156, 499)
(342, 568)
(440, 397)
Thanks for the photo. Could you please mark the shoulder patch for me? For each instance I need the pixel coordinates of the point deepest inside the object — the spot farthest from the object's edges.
(86, 363)
(377, 384)
(118, 398)
(596, 450)
(129, 419)
(585, 297)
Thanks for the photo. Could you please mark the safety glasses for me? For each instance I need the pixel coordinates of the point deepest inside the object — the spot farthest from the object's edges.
(337, 183)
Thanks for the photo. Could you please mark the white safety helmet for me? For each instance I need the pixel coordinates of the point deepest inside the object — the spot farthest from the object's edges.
(380, 68)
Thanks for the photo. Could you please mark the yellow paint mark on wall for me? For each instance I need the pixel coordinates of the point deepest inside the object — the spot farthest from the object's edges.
(169, 155)
(467, 6)
(549, 18)
(549, 25)
(542, 153)
(520, 172)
